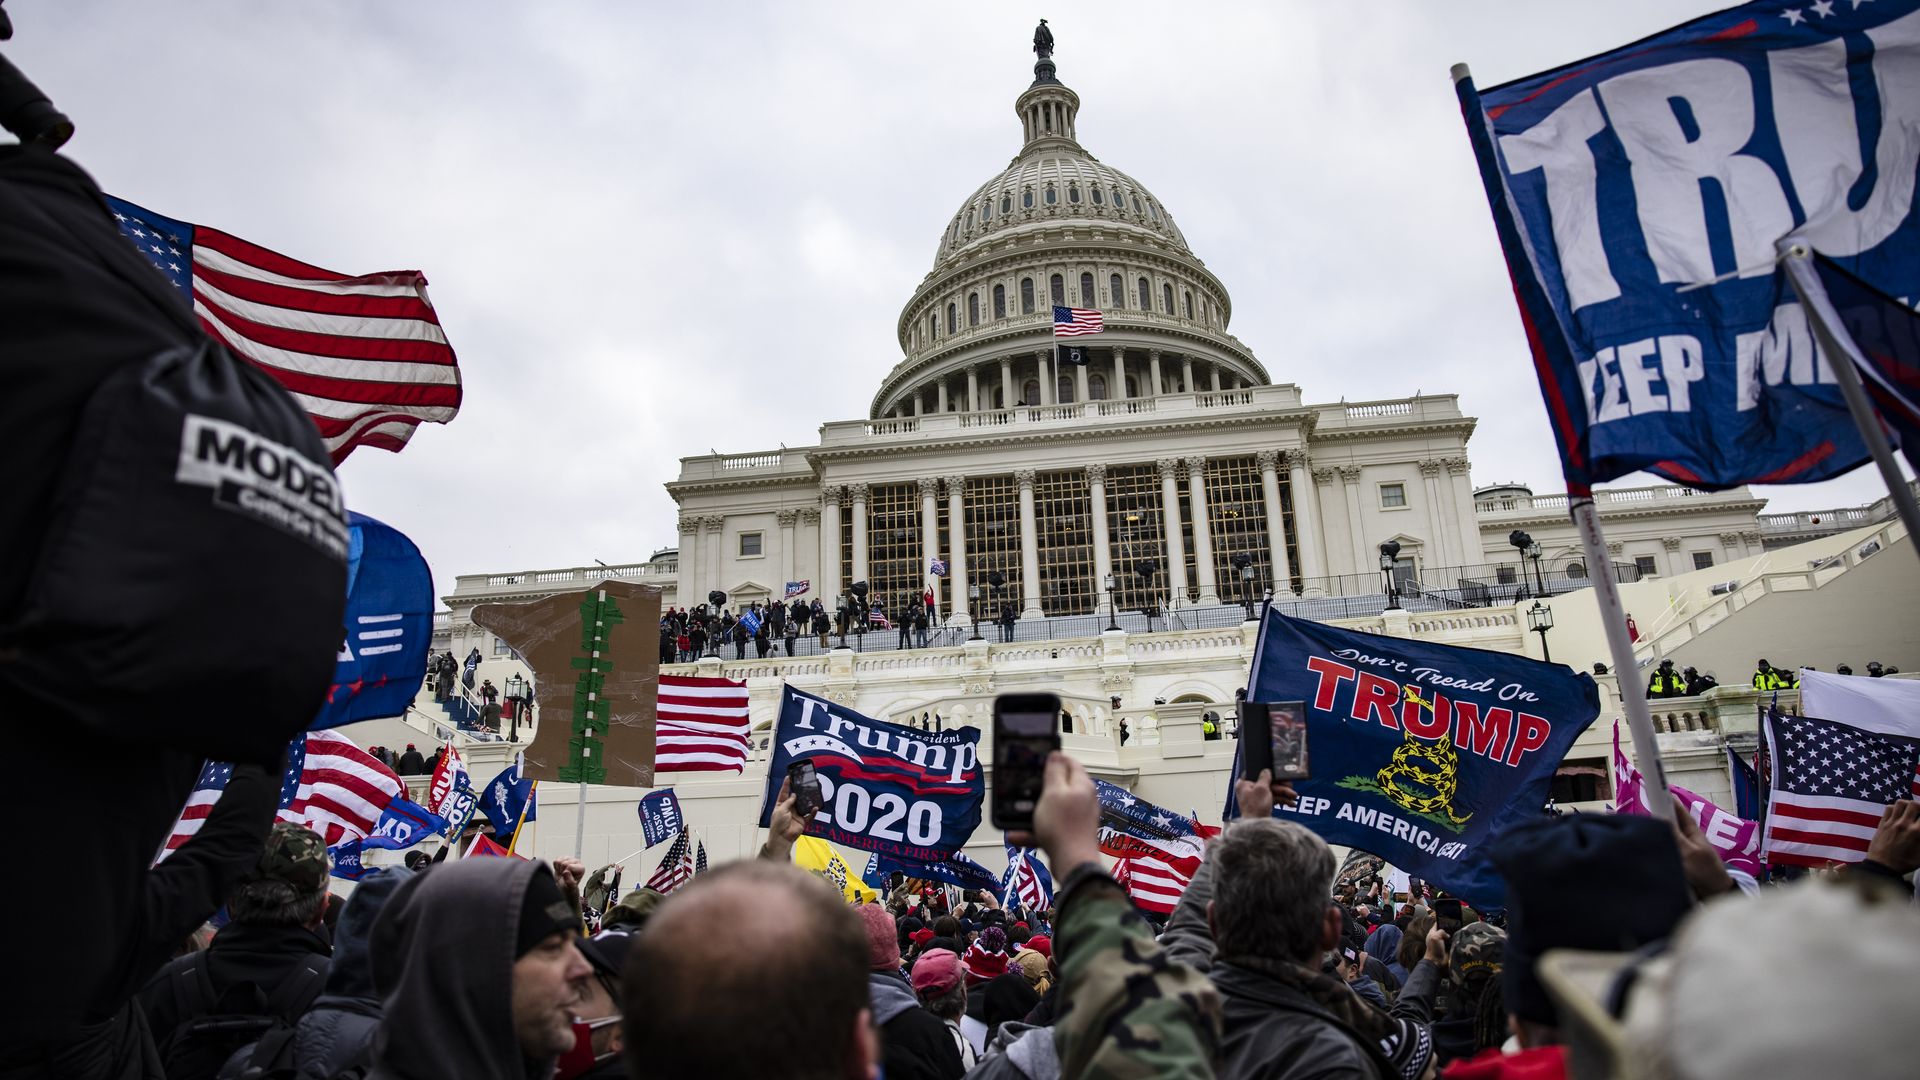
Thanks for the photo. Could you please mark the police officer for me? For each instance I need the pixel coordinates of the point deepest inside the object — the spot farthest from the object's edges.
(1664, 683)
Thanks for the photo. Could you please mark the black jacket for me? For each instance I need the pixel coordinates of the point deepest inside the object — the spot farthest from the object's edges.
(914, 1043)
(261, 955)
(412, 764)
(1274, 1031)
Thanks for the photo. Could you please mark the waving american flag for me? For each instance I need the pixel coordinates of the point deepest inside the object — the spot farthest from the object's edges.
(330, 785)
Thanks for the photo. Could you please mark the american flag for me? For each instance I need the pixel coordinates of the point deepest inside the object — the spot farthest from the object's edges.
(702, 725)
(1156, 881)
(677, 868)
(700, 857)
(1026, 882)
(1830, 783)
(1073, 322)
(330, 785)
(364, 356)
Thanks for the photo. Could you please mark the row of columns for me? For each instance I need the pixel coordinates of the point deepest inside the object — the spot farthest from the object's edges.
(1047, 375)
(1270, 462)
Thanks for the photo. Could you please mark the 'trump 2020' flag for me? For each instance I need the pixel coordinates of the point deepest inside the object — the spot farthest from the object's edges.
(403, 824)
(363, 355)
(1639, 196)
(1421, 753)
(660, 816)
(888, 788)
(1130, 825)
(389, 621)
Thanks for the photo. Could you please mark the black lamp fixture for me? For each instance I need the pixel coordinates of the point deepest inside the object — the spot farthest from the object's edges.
(973, 601)
(1529, 548)
(1540, 620)
(1113, 621)
(1390, 558)
(1145, 569)
(1243, 562)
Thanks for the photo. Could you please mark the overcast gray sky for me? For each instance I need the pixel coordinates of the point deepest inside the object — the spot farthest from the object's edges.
(658, 229)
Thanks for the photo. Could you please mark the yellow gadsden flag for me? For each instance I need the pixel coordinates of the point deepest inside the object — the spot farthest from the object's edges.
(817, 856)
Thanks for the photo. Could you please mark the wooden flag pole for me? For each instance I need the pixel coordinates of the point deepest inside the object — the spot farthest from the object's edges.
(1842, 355)
(1626, 672)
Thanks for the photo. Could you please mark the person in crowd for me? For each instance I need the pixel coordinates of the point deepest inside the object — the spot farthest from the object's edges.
(1697, 683)
(1875, 669)
(905, 627)
(336, 1034)
(777, 618)
(1475, 1017)
(267, 964)
(914, 1042)
(1210, 726)
(1664, 682)
(697, 638)
(920, 623)
(791, 635)
(489, 693)
(1383, 944)
(478, 964)
(762, 639)
(740, 637)
(1007, 618)
(822, 623)
(1843, 669)
(599, 1040)
(1766, 677)
(669, 650)
(940, 985)
(1125, 734)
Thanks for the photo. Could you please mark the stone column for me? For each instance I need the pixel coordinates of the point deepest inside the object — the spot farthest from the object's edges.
(1278, 565)
(913, 404)
(858, 492)
(713, 556)
(957, 544)
(687, 581)
(1118, 390)
(1029, 548)
(1080, 381)
(785, 518)
(1440, 521)
(1097, 506)
(1202, 531)
(973, 388)
(1170, 517)
(1468, 534)
(810, 523)
(1213, 373)
(940, 395)
(1672, 544)
(1306, 522)
(1186, 374)
(1042, 362)
(1732, 546)
(1753, 541)
(827, 584)
(1350, 486)
(1006, 383)
(1153, 373)
(930, 540)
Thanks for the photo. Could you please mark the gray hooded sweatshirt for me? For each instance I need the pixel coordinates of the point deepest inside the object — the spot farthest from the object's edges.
(443, 953)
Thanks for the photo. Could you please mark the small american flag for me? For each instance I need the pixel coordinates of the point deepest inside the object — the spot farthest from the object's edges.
(700, 857)
(364, 356)
(677, 868)
(330, 785)
(702, 725)
(1156, 881)
(1073, 322)
(1027, 881)
(1830, 783)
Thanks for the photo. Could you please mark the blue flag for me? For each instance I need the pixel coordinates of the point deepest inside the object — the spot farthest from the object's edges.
(957, 870)
(505, 798)
(1886, 334)
(389, 624)
(660, 818)
(904, 793)
(1026, 883)
(1421, 753)
(1746, 787)
(403, 824)
(347, 860)
(1639, 196)
(751, 620)
(1130, 825)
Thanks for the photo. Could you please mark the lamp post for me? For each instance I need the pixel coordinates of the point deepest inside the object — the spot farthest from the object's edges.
(1539, 578)
(1521, 541)
(1540, 620)
(1146, 568)
(516, 688)
(1113, 618)
(1243, 562)
(1390, 558)
(973, 602)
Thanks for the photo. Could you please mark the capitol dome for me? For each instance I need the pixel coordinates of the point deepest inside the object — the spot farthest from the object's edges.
(1058, 227)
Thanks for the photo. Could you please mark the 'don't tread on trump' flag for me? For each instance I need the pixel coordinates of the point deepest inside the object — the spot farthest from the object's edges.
(1421, 753)
(363, 355)
(1639, 197)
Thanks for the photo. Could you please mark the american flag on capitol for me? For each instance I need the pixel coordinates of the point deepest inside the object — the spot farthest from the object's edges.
(702, 725)
(677, 868)
(330, 785)
(364, 356)
(1073, 322)
(1830, 784)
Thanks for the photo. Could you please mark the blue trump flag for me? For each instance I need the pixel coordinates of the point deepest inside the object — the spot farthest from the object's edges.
(403, 824)
(1421, 753)
(347, 860)
(1639, 196)
(389, 621)
(1130, 825)
(1885, 334)
(904, 793)
(660, 818)
(957, 870)
(508, 800)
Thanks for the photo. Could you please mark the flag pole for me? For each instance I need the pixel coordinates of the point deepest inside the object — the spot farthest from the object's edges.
(1626, 673)
(1843, 356)
(580, 821)
(522, 819)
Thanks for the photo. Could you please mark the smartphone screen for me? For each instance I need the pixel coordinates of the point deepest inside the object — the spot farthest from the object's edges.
(1446, 914)
(1287, 728)
(804, 782)
(1026, 728)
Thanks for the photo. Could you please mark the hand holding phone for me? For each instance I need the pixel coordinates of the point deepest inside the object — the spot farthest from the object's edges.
(1273, 736)
(805, 785)
(1026, 728)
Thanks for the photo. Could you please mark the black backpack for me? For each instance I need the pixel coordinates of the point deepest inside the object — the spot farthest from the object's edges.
(213, 1026)
(272, 1058)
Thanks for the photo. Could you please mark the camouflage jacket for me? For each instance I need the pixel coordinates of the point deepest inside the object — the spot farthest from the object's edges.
(1129, 1009)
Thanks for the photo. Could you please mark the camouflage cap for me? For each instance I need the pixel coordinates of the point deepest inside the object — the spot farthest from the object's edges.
(1478, 949)
(296, 855)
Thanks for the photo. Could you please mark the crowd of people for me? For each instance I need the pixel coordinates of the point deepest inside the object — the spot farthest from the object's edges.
(689, 633)
(1690, 682)
(1272, 964)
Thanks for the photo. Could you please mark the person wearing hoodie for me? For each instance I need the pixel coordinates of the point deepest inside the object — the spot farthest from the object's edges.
(337, 1031)
(478, 973)
(1384, 944)
(914, 1043)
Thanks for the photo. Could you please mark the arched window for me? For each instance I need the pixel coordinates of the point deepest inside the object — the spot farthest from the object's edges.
(1063, 389)
(1097, 382)
(1026, 296)
(1119, 203)
(1189, 298)
(953, 318)
(969, 219)
(1146, 296)
(999, 301)
(986, 211)
(1026, 199)
(1152, 210)
(1136, 204)
(1086, 290)
(1057, 289)
(1097, 197)
(1166, 294)
(1006, 204)
(1073, 193)
(973, 309)
(1117, 291)
(1030, 392)
(1052, 195)
(933, 327)
(1577, 571)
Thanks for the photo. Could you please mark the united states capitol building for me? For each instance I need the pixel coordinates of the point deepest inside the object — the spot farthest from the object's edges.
(1135, 508)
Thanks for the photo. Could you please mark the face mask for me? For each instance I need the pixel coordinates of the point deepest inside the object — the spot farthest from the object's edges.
(578, 1060)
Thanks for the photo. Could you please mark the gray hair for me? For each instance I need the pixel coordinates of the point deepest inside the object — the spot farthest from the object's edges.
(1271, 883)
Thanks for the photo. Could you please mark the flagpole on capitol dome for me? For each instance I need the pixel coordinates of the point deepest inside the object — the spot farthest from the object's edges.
(1844, 361)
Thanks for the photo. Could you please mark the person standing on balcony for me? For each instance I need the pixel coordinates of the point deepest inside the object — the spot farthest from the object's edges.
(1766, 677)
(918, 616)
(740, 637)
(1663, 683)
(411, 763)
(906, 627)
(1697, 683)
(821, 624)
(1007, 618)
(472, 668)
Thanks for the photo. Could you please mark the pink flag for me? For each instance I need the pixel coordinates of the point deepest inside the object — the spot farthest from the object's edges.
(1736, 838)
